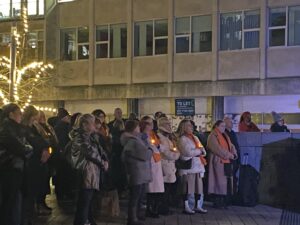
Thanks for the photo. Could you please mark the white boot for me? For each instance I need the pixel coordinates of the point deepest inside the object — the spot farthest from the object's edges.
(187, 208)
(199, 205)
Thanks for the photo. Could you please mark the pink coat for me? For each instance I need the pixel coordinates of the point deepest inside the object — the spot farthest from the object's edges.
(217, 181)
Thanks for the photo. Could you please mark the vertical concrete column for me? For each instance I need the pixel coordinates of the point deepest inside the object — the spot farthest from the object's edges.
(263, 39)
(129, 40)
(215, 40)
(91, 46)
(170, 41)
(217, 108)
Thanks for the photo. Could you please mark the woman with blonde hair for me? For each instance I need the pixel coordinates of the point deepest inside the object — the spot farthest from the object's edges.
(155, 188)
(85, 144)
(192, 169)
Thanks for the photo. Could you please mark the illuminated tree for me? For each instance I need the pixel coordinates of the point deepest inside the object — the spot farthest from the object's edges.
(21, 80)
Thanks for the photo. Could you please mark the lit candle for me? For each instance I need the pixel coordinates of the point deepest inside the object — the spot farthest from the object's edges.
(174, 149)
(50, 150)
(152, 141)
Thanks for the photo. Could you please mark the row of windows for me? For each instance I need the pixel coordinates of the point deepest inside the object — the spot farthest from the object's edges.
(12, 8)
(238, 30)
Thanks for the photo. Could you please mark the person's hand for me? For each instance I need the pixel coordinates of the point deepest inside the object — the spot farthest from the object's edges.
(45, 156)
(231, 156)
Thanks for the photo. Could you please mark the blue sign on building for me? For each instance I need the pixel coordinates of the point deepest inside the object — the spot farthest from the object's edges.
(185, 107)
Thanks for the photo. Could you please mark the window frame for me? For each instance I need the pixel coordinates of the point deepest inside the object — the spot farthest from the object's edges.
(6, 43)
(82, 43)
(76, 43)
(278, 27)
(189, 35)
(108, 41)
(286, 27)
(243, 29)
(154, 38)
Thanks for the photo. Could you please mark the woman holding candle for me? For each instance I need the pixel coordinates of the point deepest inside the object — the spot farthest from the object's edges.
(191, 178)
(169, 154)
(156, 186)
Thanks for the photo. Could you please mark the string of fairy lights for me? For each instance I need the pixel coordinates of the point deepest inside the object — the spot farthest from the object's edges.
(28, 78)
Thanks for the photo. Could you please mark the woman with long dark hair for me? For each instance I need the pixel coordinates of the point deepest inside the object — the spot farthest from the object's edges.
(36, 171)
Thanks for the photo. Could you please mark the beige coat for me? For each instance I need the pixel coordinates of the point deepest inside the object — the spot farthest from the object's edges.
(217, 181)
(168, 158)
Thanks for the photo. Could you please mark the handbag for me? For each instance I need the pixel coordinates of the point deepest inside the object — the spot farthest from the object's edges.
(183, 164)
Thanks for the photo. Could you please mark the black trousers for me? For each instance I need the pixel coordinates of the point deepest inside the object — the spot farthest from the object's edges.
(11, 197)
(84, 207)
(136, 194)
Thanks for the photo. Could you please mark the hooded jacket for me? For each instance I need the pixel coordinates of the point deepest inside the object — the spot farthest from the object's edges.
(137, 159)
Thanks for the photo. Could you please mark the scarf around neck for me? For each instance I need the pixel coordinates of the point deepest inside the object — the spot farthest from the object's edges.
(224, 142)
(197, 144)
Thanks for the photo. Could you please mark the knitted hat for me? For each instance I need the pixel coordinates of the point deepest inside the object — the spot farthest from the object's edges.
(164, 124)
(276, 117)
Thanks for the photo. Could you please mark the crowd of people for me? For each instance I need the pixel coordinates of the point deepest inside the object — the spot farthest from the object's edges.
(142, 157)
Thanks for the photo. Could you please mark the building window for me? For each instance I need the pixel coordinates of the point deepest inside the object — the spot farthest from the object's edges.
(12, 8)
(4, 44)
(151, 38)
(74, 44)
(277, 27)
(284, 26)
(4, 9)
(193, 34)
(239, 30)
(35, 45)
(83, 43)
(294, 26)
(111, 41)
(5, 39)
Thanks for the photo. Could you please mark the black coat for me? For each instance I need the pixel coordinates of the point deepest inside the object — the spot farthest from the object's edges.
(275, 127)
(36, 172)
(13, 145)
(62, 130)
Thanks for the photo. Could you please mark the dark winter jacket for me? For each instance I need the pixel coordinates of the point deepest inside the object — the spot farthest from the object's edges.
(62, 130)
(275, 127)
(137, 159)
(14, 147)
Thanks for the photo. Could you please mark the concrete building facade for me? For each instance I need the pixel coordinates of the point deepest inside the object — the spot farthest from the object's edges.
(153, 52)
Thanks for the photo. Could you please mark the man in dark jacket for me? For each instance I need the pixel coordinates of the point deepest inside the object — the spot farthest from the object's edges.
(63, 179)
(234, 141)
(118, 116)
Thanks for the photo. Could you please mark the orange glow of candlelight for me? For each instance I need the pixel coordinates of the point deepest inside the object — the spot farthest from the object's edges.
(50, 150)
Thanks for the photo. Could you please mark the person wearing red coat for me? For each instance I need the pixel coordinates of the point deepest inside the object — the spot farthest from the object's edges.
(246, 125)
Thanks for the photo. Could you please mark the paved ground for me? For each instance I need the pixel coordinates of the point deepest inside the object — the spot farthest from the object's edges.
(260, 215)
